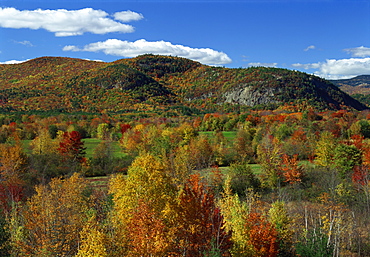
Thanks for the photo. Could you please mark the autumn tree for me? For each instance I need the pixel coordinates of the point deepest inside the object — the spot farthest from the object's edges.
(94, 241)
(292, 171)
(13, 169)
(53, 218)
(43, 143)
(147, 179)
(148, 233)
(269, 156)
(72, 151)
(72, 147)
(262, 235)
(235, 213)
(325, 150)
(279, 218)
(45, 161)
(199, 222)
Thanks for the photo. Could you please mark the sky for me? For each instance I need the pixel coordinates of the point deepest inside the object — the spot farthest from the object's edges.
(328, 38)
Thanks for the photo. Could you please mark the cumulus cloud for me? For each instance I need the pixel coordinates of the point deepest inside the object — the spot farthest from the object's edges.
(358, 51)
(311, 47)
(127, 16)
(67, 22)
(264, 64)
(339, 69)
(132, 49)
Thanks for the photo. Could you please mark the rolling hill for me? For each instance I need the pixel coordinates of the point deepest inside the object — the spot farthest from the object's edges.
(357, 85)
(157, 84)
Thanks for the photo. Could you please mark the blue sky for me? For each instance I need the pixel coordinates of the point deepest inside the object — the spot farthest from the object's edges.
(328, 38)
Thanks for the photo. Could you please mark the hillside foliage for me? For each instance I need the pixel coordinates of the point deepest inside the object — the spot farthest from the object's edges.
(159, 85)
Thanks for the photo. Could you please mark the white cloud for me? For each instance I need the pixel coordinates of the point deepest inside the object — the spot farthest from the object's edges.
(307, 66)
(311, 47)
(64, 22)
(25, 43)
(339, 69)
(358, 51)
(132, 49)
(127, 16)
(13, 61)
(264, 64)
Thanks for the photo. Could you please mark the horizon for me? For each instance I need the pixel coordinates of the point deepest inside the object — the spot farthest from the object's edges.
(329, 39)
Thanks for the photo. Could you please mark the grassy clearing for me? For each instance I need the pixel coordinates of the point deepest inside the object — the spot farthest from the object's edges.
(89, 143)
(229, 135)
(92, 143)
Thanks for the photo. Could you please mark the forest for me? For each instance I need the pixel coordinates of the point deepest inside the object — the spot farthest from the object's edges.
(277, 182)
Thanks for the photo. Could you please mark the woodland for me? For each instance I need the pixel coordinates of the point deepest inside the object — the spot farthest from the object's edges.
(260, 183)
(174, 177)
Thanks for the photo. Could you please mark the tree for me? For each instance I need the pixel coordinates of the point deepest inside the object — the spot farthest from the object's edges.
(200, 222)
(43, 143)
(54, 218)
(262, 235)
(103, 131)
(278, 216)
(13, 168)
(94, 241)
(269, 156)
(346, 157)
(242, 178)
(292, 171)
(147, 179)
(147, 232)
(72, 147)
(235, 213)
(325, 150)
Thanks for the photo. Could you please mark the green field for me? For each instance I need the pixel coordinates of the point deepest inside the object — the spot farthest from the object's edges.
(92, 143)
(229, 135)
(89, 143)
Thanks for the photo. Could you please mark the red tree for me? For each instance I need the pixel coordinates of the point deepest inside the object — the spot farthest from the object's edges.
(262, 235)
(201, 225)
(71, 146)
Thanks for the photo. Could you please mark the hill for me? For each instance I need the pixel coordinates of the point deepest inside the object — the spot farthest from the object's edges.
(356, 85)
(157, 84)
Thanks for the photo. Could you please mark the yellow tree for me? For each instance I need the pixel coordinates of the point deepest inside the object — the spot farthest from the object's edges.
(278, 216)
(325, 150)
(147, 180)
(54, 218)
(94, 241)
(13, 166)
(235, 213)
(43, 143)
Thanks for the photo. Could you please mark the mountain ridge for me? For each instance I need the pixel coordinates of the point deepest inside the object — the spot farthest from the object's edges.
(357, 85)
(153, 82)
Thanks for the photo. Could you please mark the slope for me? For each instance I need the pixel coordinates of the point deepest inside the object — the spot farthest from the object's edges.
(151, 83)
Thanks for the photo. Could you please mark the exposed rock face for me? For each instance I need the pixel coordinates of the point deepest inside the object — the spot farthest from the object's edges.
(251, 96)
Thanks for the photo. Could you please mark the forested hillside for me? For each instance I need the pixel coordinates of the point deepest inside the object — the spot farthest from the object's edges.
(158, 85)
(358, 87)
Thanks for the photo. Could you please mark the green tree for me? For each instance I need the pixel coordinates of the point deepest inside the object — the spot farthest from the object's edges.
(269, 156)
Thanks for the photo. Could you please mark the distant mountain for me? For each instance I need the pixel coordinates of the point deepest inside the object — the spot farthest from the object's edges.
(158, 84)
(356, 85)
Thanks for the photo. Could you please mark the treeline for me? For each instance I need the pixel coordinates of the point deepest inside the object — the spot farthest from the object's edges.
(259, 183)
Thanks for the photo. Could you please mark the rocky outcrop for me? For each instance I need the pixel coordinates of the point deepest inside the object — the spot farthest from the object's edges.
(251, 95)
